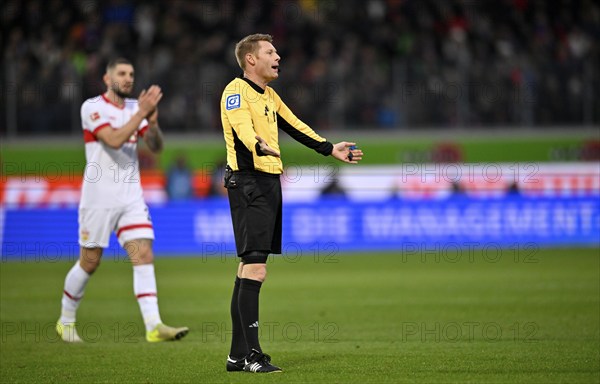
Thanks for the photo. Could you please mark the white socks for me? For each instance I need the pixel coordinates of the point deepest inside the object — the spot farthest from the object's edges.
(75, 283)
(144, 287)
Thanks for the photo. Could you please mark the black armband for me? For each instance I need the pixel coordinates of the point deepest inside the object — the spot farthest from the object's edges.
(325, 148)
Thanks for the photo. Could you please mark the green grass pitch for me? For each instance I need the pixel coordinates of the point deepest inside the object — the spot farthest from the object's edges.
(345, 318)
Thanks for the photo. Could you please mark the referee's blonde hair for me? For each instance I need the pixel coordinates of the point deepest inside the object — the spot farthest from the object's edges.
(249, 44)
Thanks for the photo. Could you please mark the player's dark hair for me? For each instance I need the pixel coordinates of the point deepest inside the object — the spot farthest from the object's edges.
(249, 44)
(114, 62)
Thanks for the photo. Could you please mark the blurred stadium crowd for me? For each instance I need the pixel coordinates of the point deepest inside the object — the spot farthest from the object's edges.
(345, 63)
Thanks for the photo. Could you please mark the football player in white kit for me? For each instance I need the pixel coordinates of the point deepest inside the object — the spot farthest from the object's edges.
(111, 197)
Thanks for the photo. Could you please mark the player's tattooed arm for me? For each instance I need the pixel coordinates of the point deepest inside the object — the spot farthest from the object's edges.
(153, 137)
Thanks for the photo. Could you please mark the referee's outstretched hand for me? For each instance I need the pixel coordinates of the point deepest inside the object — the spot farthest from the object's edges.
(264, 147)
(347, 152)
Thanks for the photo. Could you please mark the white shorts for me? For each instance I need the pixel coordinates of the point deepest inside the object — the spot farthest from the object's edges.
(128, 223)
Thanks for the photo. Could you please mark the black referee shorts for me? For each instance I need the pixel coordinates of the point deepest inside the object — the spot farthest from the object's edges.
(255, 203)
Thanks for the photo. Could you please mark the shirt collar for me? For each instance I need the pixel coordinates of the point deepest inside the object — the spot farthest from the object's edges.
(252, 84)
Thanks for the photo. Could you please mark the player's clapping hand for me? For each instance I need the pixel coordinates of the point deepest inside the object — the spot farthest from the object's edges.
(148, 100)
(347, 152)
(264, 147)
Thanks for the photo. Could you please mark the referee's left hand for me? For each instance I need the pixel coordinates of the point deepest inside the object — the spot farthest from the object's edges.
(264, 147)
(341, 151)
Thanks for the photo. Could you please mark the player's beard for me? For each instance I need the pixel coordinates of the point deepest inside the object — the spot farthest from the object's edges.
(122, 94)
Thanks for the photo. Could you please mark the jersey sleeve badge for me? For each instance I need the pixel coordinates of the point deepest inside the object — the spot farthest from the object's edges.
(232, 102)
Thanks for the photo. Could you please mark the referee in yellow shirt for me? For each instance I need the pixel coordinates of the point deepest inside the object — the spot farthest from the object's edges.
(252, 114)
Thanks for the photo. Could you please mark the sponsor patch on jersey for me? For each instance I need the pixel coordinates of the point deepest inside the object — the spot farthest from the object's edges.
(232, 102)
(95, 116)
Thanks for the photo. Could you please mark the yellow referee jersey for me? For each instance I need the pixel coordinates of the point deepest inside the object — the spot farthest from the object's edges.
(247, 111)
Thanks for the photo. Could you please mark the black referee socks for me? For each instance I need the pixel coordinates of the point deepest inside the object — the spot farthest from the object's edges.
(248, 311)
(238, 342)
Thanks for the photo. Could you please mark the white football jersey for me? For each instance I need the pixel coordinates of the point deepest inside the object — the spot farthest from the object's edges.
(111, 178)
